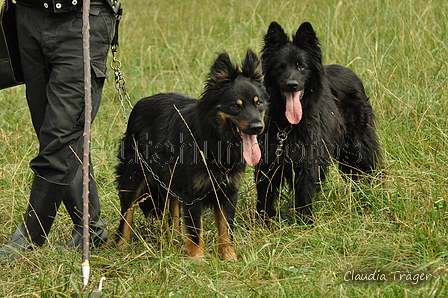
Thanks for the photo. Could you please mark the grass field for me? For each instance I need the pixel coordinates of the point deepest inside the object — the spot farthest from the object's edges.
(388, 229)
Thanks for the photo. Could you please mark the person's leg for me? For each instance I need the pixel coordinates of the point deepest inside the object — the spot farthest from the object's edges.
(74, 204)
(44, 202)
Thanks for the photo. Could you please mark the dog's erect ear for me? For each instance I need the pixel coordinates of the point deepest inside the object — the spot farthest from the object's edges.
(305, 36)
(222, 71)
(251, 66)
(275, 36)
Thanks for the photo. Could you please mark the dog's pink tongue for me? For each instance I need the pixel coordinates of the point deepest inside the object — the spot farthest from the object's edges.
(293, 107)
(251, 150)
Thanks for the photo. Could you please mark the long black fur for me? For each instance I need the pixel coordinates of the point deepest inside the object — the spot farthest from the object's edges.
(192, 146)
(337, 120)
(359, 151)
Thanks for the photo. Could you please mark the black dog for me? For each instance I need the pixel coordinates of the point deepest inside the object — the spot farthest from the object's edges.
(178, 149)
(316, 113)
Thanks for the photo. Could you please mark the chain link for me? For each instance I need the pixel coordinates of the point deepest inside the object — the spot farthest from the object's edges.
(120, 85)
(282, 135)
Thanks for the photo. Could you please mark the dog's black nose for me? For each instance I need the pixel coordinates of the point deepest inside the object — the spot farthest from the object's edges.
(292, 84)
(256, 127)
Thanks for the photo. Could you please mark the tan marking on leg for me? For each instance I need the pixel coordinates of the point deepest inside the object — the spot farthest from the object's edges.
(194, 250)
(175, 214)
(225, 245)
(128, 221)
(129, 218)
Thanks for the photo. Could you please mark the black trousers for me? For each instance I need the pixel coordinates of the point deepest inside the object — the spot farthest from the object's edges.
(52, 58)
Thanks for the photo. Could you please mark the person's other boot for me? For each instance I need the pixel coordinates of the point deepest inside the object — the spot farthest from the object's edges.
(45, 199)
(74, 204)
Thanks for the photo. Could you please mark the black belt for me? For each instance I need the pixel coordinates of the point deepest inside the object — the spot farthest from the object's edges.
(58, 6)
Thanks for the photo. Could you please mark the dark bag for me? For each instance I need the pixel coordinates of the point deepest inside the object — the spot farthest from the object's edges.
(10, 66)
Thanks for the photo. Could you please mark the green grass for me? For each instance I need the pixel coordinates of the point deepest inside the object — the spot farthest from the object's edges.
(396, 222)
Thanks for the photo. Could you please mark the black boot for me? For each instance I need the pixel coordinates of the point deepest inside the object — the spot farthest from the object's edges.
(74, 204)
(45, 199)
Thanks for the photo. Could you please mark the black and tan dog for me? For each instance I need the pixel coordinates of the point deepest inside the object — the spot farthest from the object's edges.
(178, 149)
(317, 113)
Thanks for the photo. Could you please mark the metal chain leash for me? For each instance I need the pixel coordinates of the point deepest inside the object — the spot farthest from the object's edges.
(167, 188)
(120, 84)
(282, 135)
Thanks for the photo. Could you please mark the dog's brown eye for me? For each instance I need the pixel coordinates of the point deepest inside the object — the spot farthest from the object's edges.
(299, 66)
(238, 105)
